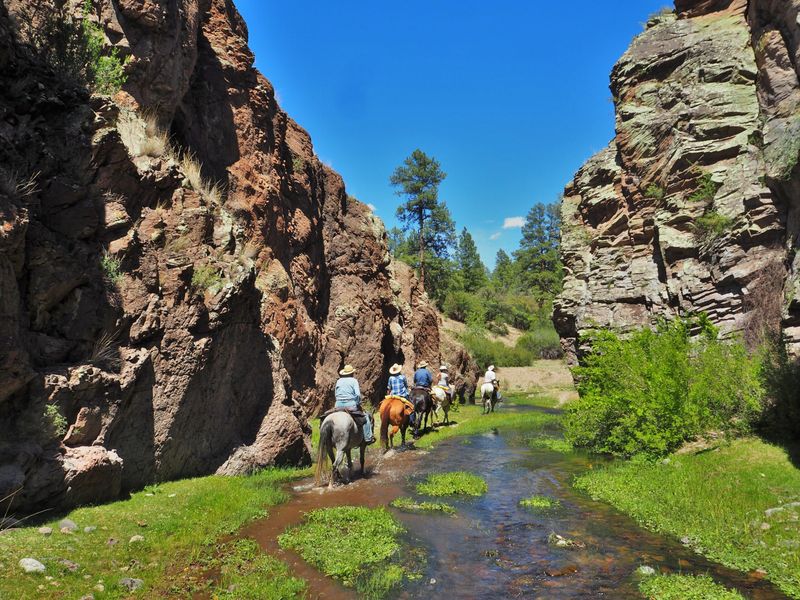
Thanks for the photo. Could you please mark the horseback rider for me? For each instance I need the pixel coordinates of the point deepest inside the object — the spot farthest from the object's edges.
(423, 377)
(348, 396)
(398, 384)
(491, 377)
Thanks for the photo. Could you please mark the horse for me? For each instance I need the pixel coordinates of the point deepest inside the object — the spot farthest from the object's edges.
(442, 399)
(420, 397)
(339, 431)
(489, 396)
(394, 411)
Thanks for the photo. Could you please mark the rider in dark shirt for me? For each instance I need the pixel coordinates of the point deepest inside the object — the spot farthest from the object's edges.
(423, 377)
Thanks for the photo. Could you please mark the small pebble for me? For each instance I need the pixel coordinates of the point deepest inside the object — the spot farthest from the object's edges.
(69, 565)
(45, 530)
(764, 526)
(89, 529)
(136, 539)
(99, 588)
(31, 565)
(646, 571)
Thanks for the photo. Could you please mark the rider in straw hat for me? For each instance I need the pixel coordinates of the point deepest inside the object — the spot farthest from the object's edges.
(348, 396)
(398, 384)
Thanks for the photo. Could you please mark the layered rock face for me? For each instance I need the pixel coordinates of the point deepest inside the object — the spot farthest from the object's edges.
(156, 325)
(693, 207)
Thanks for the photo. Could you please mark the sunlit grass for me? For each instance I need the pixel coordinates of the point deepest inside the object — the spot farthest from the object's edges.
(719, 502)
(539, 503)
(457, 483)
(685, 587)
(180, 522)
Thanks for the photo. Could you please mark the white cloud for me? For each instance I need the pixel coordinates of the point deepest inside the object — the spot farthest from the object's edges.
(495, 235)
(371, 207)
(513, 222)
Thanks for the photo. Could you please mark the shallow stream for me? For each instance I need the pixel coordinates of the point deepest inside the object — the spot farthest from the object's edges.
(492, 547)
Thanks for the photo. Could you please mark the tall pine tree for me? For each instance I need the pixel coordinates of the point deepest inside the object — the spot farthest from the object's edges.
(537, 259)
(473, 272)
(418, 179)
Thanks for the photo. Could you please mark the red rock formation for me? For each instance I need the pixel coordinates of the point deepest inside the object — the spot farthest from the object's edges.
(179, 329)
(693, 206)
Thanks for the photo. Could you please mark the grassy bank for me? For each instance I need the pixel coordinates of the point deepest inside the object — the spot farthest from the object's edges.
(732, 504)
(179, 524)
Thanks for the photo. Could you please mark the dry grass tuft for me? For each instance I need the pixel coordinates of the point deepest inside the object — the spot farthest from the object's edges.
(105, 352)
(17, 187)
(142, 135)
(212, 192)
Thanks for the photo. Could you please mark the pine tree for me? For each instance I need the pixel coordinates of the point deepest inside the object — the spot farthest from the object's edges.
(503, 274)
(473, 271)
(537, 258)
(418, 179)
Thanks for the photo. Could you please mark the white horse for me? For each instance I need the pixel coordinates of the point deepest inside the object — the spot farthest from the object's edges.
(442, 399)
(489, 396)
(339, 431)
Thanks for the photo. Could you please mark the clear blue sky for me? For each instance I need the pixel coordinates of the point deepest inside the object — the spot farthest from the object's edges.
(510, 96)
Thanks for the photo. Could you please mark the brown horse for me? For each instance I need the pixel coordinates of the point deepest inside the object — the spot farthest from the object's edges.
(393, 411)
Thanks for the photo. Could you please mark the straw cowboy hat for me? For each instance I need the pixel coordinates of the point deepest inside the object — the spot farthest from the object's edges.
(348, 370)
(491, 368)
(423, 364)
(443, 368)
(394, 369)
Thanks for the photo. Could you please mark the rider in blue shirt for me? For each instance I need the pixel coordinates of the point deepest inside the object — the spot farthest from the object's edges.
(423, 377)
(348, 396)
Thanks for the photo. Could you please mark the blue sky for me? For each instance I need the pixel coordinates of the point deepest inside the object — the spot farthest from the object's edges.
(510, 96)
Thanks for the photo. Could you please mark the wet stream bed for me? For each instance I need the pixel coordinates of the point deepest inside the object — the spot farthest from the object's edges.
(492, 547)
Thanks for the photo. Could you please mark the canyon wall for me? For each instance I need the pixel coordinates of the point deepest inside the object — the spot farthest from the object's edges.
(181, 278)
(693, 206)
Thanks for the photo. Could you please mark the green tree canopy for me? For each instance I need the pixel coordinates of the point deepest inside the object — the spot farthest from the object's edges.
(418, 179)
(537, 258)
(469, 263)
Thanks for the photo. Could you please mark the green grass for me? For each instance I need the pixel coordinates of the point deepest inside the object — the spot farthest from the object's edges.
(539, 503)
(180, 521)
(685, 587)
(411, 505)
(472, 422)
(246, 573)
(205, 277)
(457, 483)
(358, 546)
(548, 443)
(716, 501)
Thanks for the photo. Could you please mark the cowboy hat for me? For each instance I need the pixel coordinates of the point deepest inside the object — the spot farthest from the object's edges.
(443, 368)
(423, 364)
(348, 370)
(394, 369)
(491, 368)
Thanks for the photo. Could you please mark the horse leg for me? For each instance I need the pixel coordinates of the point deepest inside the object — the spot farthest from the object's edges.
(349, 466)
(362, 451)
(337, 463)
(395, 429)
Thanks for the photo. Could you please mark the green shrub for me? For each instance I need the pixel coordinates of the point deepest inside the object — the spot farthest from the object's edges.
(111, 269)
(676, 586)
(539, 503)
(464, 307)
(205, 277)
(488, 352)
(655, 192)
(54, 420)
(706, 189)
(75, 48)
(541, 342)
(652, 392)
(712, 225)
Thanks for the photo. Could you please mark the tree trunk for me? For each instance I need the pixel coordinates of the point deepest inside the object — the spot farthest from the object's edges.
(422, 248)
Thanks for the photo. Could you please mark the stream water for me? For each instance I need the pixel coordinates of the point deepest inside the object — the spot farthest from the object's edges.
(493, 548)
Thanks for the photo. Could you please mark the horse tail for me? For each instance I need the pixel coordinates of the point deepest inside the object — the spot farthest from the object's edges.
(386, 416)
(325, 441)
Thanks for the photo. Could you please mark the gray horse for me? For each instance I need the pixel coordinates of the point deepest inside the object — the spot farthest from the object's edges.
(339, 431)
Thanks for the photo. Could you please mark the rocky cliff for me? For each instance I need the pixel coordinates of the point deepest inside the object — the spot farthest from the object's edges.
(181, 278)
(693, 207)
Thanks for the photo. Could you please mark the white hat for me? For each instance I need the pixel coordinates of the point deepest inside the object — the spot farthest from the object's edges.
(443, 368)
(423, 364)
(491, 368)
(394, 369)
(348, 370)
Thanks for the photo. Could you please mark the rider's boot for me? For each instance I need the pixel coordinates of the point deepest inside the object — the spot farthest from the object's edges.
(369, 438)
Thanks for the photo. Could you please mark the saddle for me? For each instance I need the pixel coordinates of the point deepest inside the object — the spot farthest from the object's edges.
(359, 416)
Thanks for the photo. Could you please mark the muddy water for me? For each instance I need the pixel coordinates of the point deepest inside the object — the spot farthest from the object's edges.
(492, 548)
